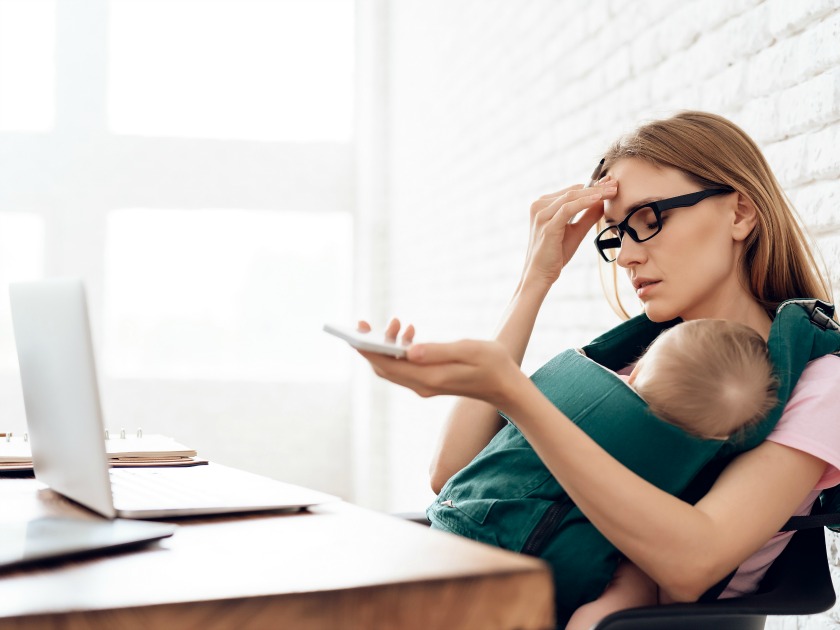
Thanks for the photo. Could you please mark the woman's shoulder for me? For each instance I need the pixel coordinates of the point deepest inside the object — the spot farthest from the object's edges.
(825, 370)
(811, 421)
(818, 384)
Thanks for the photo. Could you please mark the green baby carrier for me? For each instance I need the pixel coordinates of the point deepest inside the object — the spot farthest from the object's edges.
(508, 498)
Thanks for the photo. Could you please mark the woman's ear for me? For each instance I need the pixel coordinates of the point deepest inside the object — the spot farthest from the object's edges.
(744, 219)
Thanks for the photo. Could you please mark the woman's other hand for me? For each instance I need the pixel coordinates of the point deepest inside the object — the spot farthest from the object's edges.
(555, 234)
(483, 370)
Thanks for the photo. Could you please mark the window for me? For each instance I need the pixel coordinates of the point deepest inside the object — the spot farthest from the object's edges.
(226, 294)
(27, 65)
(21, 258)
(234, 69)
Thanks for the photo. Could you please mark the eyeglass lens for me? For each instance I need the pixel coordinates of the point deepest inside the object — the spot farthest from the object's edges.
(641, 225)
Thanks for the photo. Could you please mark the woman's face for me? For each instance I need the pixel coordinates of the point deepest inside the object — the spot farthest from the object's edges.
(690, 268)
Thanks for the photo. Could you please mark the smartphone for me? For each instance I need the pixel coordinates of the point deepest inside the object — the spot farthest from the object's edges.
(366, 341)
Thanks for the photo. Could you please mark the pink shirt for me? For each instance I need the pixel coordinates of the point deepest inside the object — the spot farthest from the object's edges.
(810, 423)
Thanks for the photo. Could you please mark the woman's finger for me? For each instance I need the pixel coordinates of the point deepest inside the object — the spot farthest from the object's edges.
(552, 196)
(592, 208)
(430, 353)
(572, 208)
(578, 198)
(541, 205)
(408, 335)
(395, 370)
(392, 330)
(363, 326)
(595, 208)
(589, 218)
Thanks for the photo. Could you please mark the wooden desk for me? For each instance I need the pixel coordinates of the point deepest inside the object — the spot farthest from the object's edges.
(337, 566)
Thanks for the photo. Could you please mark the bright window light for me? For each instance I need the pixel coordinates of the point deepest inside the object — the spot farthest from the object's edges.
(27, 65)
(274, 70)
(21, 259)
(226, 294)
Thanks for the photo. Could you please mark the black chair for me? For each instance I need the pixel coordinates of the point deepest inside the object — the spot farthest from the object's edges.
(798, 583)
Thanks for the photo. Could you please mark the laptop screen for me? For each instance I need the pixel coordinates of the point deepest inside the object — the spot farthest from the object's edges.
(60, 391)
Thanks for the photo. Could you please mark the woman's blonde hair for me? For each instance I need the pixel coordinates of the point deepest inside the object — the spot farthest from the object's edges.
(778, 263)
(711, 377)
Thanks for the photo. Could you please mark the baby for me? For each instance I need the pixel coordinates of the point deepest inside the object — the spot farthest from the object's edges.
(713, 378)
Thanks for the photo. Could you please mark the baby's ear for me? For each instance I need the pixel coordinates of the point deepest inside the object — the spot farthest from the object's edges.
(744, 218)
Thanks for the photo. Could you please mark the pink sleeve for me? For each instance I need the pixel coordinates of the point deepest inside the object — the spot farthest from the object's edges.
(811, 420)
(810, 423)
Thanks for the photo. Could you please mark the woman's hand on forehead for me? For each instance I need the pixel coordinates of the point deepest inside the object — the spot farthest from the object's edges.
(559, 222)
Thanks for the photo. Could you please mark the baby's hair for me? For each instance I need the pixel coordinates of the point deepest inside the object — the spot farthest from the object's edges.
(711, 377)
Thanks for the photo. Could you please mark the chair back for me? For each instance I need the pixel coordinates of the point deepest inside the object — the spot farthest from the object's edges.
(797, 583)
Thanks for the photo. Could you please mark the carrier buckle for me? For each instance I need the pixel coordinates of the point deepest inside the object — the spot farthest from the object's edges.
(820, 313)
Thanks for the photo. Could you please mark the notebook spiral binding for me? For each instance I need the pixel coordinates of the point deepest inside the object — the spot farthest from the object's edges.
(9, 434)
(122, 433)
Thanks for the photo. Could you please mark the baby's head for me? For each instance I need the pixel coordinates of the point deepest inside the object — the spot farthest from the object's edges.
(711, 377)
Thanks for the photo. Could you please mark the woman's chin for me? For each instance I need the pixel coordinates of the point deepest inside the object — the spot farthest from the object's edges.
(658, 312)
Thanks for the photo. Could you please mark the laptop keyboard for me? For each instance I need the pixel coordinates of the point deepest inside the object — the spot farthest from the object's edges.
(207, 489)
(162, 489)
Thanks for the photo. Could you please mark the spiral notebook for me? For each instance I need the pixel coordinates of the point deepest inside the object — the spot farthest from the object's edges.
(124, 450)
(64, 418)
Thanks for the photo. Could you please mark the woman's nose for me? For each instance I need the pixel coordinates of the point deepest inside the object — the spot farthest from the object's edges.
(631, 253)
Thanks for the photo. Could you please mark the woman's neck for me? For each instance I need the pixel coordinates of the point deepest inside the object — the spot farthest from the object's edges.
(739, 306)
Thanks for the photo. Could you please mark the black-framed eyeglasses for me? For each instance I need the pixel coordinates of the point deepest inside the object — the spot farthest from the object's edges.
(644, 222)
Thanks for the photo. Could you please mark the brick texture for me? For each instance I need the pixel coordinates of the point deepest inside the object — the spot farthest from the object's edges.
(493, 103)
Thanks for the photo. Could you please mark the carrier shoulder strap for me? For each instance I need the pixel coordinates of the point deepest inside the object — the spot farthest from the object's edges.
(803, 330)
(792, 344)
(798, 336)
(818, 340)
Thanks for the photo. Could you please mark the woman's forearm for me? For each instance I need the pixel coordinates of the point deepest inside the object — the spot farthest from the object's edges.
(518, 321)
(473, 423)
(468, 429)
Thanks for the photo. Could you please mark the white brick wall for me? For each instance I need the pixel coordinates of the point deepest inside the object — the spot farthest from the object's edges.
(492, 103)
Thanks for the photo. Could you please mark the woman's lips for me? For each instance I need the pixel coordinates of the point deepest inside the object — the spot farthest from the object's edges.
(645, 287)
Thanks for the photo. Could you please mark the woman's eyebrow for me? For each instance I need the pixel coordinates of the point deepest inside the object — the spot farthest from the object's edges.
(638, 204)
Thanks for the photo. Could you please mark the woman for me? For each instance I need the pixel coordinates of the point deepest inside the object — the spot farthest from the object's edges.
(730, 256)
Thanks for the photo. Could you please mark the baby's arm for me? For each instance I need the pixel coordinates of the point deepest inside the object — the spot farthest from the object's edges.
(630, 587)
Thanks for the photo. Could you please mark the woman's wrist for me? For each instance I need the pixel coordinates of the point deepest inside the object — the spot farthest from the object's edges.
(534, 284)
(527, 300)
(513, 391)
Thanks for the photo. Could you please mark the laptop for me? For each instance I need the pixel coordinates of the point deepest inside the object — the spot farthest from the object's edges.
(67, 435)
